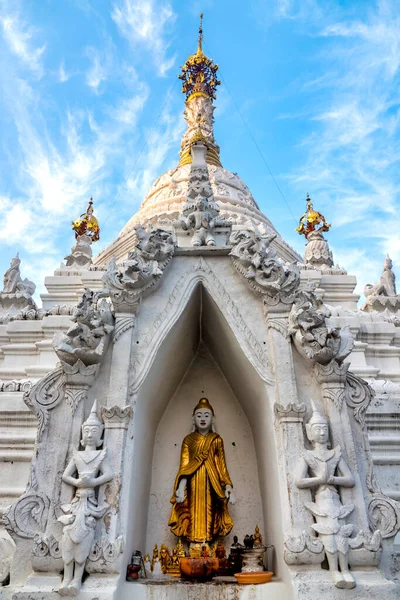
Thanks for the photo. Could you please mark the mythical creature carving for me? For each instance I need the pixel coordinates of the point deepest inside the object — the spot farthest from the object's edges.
(85, 340)
(266, 273)
(325, 470)
(80, 516)
(313, 338)
(143, 267)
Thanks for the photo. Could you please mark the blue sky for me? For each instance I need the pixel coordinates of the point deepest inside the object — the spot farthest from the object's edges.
(83, 83)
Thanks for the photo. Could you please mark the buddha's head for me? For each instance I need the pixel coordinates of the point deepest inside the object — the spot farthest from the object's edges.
(317, 428)
(203, 416)
(92, 429)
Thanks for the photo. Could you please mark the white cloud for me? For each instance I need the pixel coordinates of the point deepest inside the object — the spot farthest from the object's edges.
(20, 39)
(63, 76)
(352, 154)
(99, 69)
(146, 24)
(128, 109)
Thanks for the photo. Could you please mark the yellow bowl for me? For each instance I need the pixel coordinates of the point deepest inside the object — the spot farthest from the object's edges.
(254, 577)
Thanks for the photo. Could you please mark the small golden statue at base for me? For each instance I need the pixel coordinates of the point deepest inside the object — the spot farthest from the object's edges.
(180, 550)
(223, 568)
(165, 558)
(174, 568)
(257, 537)
(155, 556)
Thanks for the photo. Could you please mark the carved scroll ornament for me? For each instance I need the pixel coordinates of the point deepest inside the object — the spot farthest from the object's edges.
(253, 257)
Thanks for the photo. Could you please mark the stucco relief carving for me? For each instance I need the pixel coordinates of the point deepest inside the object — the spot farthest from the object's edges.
(318, 254)
(46, 553)
(384, 514)
(45, 395)
(103, 554)
(200, 214)
(93, 470)
(358, 396)
(17, 292)
(7, 549)
(176, 303)
(325, 471)
(80, 257)
(27, 517)
(266, 273)
(116, 417)
(303, 549)
(312, 336)
(332, 378)
(383, 295)
(291, 412)
(142, 269)
(86, 339)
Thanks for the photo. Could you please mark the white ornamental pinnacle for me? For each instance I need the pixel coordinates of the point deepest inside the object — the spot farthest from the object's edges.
(17, 293)
(317, 253)
(383, 295)
(80, 257)
(13, 283)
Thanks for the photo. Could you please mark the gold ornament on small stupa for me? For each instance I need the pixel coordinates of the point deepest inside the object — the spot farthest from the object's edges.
(87, 224)
(199, 73)
(312, 220)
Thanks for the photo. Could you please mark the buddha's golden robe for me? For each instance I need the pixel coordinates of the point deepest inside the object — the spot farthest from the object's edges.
(204, 512)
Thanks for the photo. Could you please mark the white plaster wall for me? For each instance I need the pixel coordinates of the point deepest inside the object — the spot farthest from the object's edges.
(204, 378)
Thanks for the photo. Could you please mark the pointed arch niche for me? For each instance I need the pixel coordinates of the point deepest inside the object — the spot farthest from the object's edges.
(201, 356)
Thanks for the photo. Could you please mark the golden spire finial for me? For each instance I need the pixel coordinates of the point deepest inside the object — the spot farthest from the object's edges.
(199, 72)
(310, 220)
(200, 43)
(87, 224)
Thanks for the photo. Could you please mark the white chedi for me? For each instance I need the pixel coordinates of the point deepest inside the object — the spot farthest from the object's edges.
(93, 469)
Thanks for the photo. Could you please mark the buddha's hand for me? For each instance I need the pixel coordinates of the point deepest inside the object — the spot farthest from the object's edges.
(180, 491)
(230, 494)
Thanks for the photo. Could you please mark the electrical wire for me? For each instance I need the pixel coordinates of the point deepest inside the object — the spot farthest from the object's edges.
(145, 143)
(257, 146)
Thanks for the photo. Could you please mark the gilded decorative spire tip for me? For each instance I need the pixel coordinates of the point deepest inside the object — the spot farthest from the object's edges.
(199, 73)
(312, 220)
(87, 224)
(200, 43)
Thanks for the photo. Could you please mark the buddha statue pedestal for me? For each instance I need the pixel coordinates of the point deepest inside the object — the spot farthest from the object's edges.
(252, 559)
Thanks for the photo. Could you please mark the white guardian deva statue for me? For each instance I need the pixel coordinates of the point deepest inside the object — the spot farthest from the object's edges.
(324, 470)
(86, 471)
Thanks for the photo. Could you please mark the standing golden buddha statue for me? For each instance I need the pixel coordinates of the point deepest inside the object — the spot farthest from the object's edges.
(202, 487)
